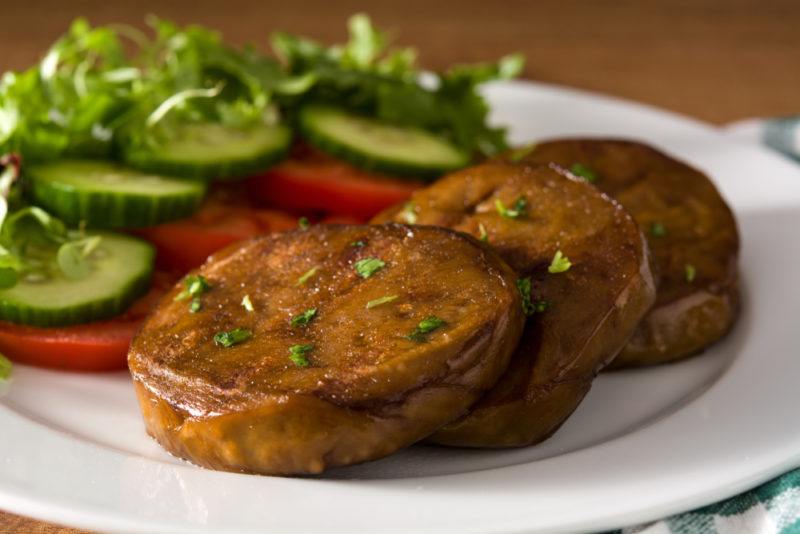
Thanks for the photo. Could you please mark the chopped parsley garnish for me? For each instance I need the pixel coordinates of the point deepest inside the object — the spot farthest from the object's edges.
(524, 288)
(308, 274)
(304, 318)
(303, 223)
(5, 368)
(247, 304)
(409, 212)
(658, 230)
(690, 272)
(425, 327)
(232, 337)
(383, 300)
(297, 353)
(195, 286)
(581, 170)
(559, 264)
(358, 244)
(518, 210)
(530, 306)
(482, 235)
(369, 266)
(517, 154)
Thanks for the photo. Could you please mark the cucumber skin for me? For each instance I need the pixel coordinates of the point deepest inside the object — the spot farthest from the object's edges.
(225, 171)
(392, 168)
(90, 312)
(108, 211)
(96, 311)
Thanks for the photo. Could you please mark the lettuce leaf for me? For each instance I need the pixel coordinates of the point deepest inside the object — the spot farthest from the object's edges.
(364, 75)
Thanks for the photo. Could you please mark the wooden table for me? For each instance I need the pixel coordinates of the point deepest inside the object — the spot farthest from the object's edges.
(718, 61)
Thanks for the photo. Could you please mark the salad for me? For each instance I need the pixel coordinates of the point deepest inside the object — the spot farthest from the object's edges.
(129, 158)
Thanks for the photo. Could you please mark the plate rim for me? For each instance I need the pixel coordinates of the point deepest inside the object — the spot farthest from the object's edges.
(91, 517)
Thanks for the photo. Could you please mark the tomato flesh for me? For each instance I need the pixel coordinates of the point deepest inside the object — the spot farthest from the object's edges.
(100, 346)
(330, 186)
(185, 244)
(97, 346)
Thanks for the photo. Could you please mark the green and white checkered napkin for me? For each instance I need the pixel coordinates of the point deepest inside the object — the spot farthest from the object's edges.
(773, 508)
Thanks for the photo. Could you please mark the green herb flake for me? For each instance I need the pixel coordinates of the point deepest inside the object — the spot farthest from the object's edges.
(658, 230)
(303, 223)
(5, 368)
(582, 171)
(358, 244)
(298, 354)
(383, 300)
(483, 235)
(194, 287)
(247, 304)
(369, 266)
(541, 306)
(308, 274)
(304, 318)
(409, 212)
(559, 264)
(690, 272)
(518, 210)
(196, 305)
(425, 327)
(232, 337)
(518, 154)
(530, 306)
(524, 288)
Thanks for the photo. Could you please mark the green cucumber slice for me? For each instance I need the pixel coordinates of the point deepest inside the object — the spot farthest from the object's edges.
(121, 268)
(101, 194)
(212, 151)
(378, 146)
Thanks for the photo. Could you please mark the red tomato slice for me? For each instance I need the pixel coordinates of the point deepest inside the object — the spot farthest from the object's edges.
(185, 244)
(342, 219)
(330, 186)
(97, 346)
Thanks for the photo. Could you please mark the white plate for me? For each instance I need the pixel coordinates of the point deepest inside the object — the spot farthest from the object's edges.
(642, 445)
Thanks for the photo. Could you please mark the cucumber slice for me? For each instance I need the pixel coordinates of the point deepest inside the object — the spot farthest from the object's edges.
(121, 268)
(378, 146)
(104, 195)
(211, 151)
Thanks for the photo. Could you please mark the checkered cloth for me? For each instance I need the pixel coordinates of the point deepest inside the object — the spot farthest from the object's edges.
(783, 134)
(773, 508)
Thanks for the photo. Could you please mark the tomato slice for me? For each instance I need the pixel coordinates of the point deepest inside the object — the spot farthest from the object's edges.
(330, 186)
(97, 346)
(342, 219)
(185, 244)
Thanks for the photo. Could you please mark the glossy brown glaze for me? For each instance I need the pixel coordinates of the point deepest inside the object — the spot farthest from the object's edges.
(700, 231)
(594, 306)
(368, 390)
